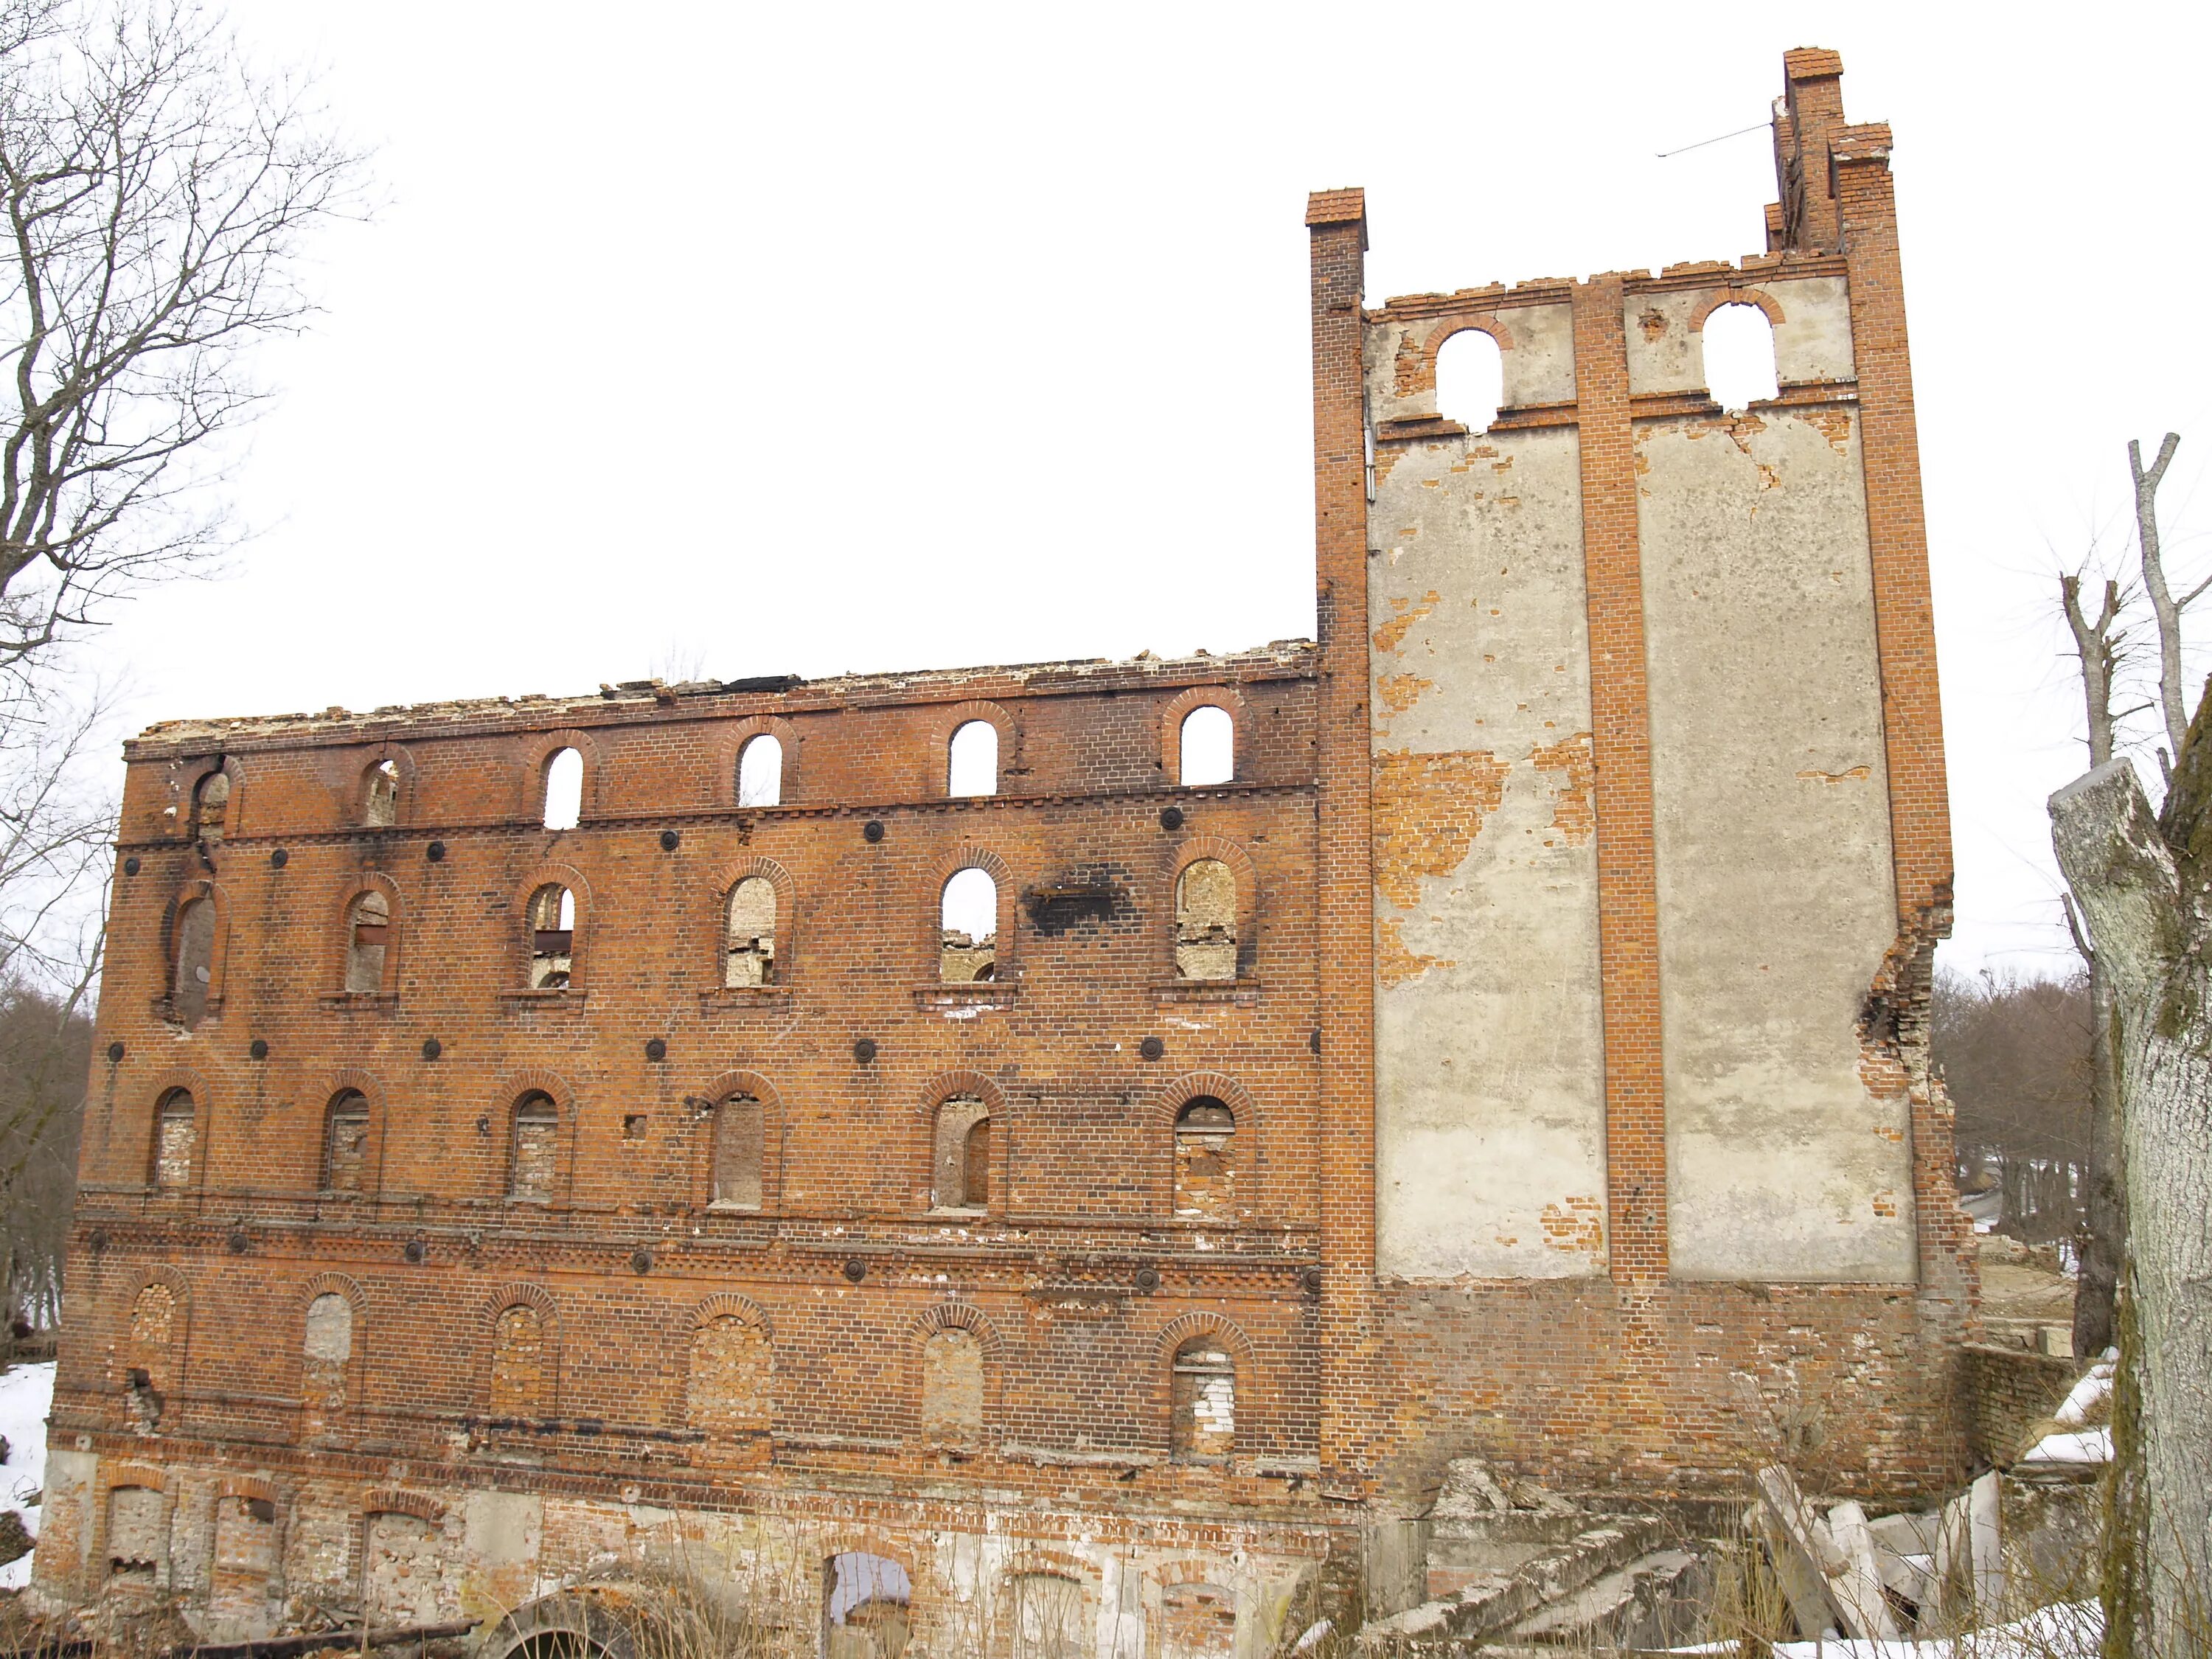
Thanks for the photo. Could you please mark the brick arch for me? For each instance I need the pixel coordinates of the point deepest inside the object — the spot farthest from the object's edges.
(1736, 297)
(961, 1317)
(198, 887)
(728, 1304)
(729, 740)
(517, 1293)
(725, 882)
(248, 1486)
(180, 1327)
(1174, 1095)
(1180, 1330)
(511, 1087)
(1250, 1165)
(950, 1085)
(520, 1293)
(118, 1476)
(357, 1366)
(536, 751)
(185, 777)
(1037, 1557)
(863, 1540)
(332, 1284)
(950, 720)
(537, 1079)
(1226, 698)
(342, 942)
(970, 856)
(1417, 361)
(370, 755)
(396, 1500)
(1168, 1575)
(551, 873)
(1190, 851)
(700, 1107)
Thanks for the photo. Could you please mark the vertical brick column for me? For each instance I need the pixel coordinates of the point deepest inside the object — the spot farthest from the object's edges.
(1337, 223)
(1812, 100)
(1627, 882)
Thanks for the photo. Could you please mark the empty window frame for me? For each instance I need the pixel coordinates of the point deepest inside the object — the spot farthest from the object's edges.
(369, 933)
(972, 760)
(1207, 748)
(1470, 380)
(379, 795)
(739, 1135)
(1205, 920)
(564, 789)
(345, 1142)
(1202, 1401)
(749, 944)
(968, 928)
(960, 1172)
(867, 1602)
(1205, 1160)
(533, 1149)
(211, 807)
(176, 1141)
(192, 982)
(552, 938)
(1739, 350)
(760, 772)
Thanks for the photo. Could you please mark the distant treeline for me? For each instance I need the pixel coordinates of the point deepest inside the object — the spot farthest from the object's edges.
(44, 1056)
(2013, 1054)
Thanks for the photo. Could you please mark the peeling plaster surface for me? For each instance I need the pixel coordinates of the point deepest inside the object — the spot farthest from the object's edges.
(1813, 341)
(1490, 1089)
(1776, 899)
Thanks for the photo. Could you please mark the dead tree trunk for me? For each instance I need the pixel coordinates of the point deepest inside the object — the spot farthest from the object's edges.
(2145, 885)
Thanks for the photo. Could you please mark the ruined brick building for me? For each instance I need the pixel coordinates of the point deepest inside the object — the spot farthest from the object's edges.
(1518, 1051)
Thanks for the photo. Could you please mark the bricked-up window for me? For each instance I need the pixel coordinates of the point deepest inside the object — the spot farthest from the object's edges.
(345, 1143)
(369, 931)
(738, 1140)
(400, 1570)
(211, 807)
(953, 1387)
(245, 1560)
(750, 956)
(1198, 1621)
(564, 789)
(379, 789)
(968, 919)
(552, 938)
(519, 1362)
(325, 1356)
(1045, 1618)
(760, 772)
(730, 1391)
(138, 1535)
(1739, 347)
(1202, 1401)
(176, 1140)
(534, 1149)
(1207, 746)
(972, 765)
(865, 1606)
(194, 979)
(1470, 380)
(1205, 1161)
(1205, 920)
(151, 1355)
(961, 1165)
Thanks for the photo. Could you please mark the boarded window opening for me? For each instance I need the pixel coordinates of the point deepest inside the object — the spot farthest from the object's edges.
(211, 806)
(730, 1387)
(400, 1570)
(760, 773)
(137, 1536)
(739, 1133)
(1207, 747)
(961, 1178)
(537, 1142)
(968, 919)
(972, 767)
(176, 1141)
(953, 1387)
(380, 795)
(1198, 1621)
(564, 790)
(345, 1143)
(867, 1601)
(326, 1356)
(1046, 1619)
(1205, 920)
(1205, 1165)
(552, 938)
(519, 1363)
(1202, 1421)
(1470, 380)
(369, 931)
(194, 981)
(749, 958)
(1739, 348)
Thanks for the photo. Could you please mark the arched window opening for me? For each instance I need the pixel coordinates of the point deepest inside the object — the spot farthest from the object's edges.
(1739, 347)
(325, 1356)
(1202, 1424)
(368, 930)
(552, 938)
(760, 772)
(211, 807)
(345, 1143)
(1204, 1167)
(1470, 380)
(973, 764)
(519, 1362)
(137, 1536)
(1205, 920)
(867, 1601)
(176, 1141)
(1207, 747)
(564, 790)
(953, 1387)
(738, 1138)
(379, 807)
(968, 921)
(535, 1149)
(1045, 1618)
(401, 1569)
(749, 954)
(193, 983)
(730, 1388)
(962, 1173)
(1198, 1621)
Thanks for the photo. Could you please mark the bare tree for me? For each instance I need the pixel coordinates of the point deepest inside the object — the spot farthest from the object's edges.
(2165, 608)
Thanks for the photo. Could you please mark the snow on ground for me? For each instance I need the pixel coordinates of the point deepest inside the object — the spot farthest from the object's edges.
(27, 1395)
(2093, 1391)
(2081, 1446)
(2076, 1631)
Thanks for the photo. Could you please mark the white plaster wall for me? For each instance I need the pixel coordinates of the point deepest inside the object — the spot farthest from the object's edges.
(1536, 361)
(1490, 1089)
(1772, 825)
(1812, 342)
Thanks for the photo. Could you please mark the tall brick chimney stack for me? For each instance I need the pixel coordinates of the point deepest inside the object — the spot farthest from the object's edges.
(1806, 119)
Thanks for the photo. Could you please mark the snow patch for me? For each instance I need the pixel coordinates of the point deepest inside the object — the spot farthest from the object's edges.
(26, 1396)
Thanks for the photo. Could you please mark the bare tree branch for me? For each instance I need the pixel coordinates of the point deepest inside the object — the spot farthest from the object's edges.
(2163, 605)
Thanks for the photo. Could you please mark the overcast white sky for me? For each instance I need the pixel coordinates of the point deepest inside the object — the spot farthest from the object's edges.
(752, 340)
